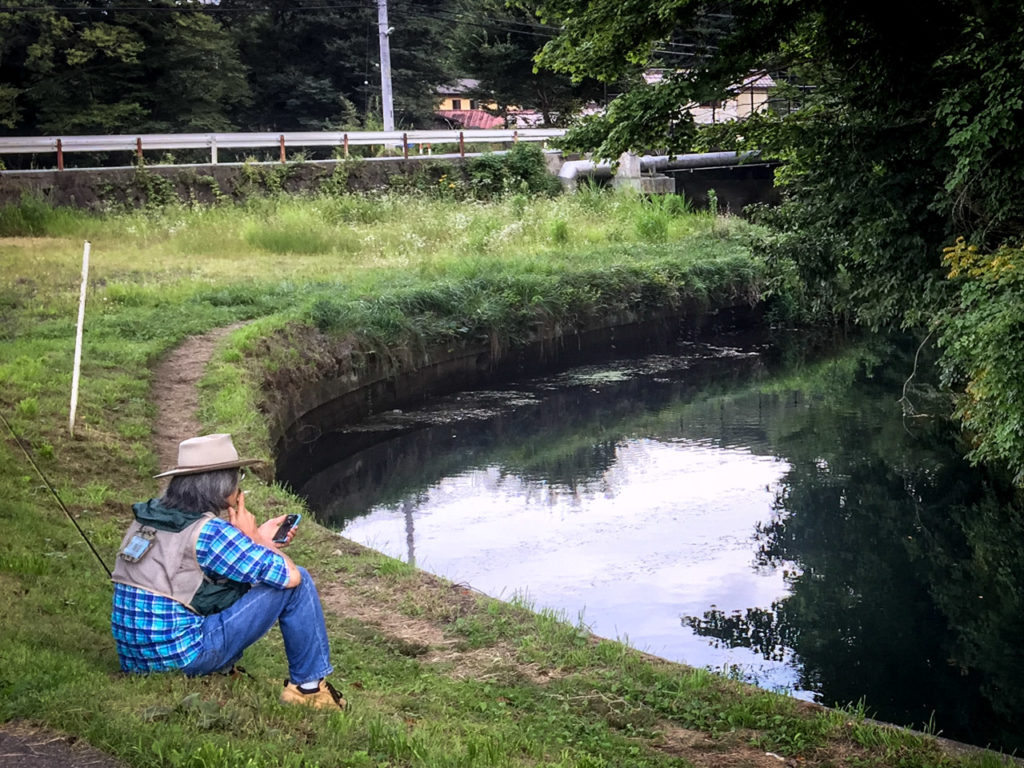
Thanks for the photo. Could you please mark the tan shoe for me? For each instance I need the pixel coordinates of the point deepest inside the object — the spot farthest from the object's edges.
(326, 698)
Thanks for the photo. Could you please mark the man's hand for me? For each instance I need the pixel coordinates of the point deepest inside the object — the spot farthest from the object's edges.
(243, 519)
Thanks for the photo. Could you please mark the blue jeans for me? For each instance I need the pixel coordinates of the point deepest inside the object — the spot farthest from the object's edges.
(228, 633)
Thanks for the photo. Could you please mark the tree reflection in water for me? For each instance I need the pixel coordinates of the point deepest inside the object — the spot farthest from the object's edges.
(909, 578)
(905, 570)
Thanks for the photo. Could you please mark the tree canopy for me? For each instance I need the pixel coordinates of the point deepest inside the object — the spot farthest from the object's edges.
(80, 68)
(495, 45)
(186, 65)
(169, 65)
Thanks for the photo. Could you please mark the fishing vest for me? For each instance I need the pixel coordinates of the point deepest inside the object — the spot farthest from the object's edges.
(164, 563)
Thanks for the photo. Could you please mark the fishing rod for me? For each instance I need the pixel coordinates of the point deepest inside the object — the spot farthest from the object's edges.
(51, 489)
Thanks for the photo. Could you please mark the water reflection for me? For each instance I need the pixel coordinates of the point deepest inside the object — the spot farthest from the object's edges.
(728, 507)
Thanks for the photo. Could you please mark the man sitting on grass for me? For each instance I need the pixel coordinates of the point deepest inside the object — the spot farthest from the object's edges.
(193, 591)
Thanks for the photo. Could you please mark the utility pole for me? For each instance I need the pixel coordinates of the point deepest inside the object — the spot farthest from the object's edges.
(384, 31)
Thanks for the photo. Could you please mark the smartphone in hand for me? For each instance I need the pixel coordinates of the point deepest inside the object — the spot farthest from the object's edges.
(282, 532)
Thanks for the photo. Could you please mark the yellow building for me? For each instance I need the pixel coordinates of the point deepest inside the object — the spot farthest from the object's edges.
(458, 110)
(456, 96)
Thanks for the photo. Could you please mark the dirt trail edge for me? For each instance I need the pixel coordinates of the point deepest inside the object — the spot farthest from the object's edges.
(176, 395)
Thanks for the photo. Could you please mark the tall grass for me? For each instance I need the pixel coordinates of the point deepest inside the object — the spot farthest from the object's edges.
(376, 230)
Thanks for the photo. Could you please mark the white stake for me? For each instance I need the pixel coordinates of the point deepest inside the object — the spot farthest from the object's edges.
(78, 339)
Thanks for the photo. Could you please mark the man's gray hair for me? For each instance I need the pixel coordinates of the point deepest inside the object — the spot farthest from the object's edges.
(201, 492)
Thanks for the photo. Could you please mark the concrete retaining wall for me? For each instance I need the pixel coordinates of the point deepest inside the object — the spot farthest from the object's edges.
(96, 189)
(131, 187)
(301, 409)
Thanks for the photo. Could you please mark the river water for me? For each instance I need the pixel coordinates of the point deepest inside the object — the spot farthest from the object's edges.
(742, 505)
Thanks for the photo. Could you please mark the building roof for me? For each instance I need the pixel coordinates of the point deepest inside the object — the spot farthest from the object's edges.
(471, 118)
(460, 86)
(758, 80)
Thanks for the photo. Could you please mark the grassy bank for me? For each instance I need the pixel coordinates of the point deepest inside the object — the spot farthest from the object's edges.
(436, 675)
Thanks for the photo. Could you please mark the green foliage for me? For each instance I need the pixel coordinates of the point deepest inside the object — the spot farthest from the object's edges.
(638, 120)
(66, 71)
(296, 231)
(337, 182)
(652, 227)
(559, 231)
(984, 343)
(260, 178)
(155, 190)
(982, 112)
(33, 217)
(520, 170)
(498, 53)
(504, 308)
(181, 67)
(893, 150)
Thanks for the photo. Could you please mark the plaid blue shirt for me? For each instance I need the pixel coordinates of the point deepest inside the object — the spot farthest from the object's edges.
(155, 633)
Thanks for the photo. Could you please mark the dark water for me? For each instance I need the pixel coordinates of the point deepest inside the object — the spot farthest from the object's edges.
(733, 505)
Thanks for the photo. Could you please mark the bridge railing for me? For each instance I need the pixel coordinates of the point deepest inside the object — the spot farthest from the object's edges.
(212, 142)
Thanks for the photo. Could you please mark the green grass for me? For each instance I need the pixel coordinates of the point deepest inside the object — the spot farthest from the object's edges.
(505, 686)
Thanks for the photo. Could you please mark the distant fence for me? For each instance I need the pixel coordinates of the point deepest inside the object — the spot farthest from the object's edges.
(421, 141)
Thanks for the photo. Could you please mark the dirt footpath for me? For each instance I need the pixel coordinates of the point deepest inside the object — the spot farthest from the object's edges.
(27, 747)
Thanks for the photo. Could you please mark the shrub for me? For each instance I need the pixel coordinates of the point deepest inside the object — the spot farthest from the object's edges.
(520, 170)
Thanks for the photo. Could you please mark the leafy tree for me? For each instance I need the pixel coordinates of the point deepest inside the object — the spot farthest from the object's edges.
(194, 68)
(496, 45)
(120, 69)
(316, 67)
(899, 147)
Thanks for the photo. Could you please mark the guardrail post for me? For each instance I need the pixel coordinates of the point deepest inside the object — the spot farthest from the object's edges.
(346, 145)
(283, 160)
(462, 144)
(213, 150)
(138, 149)
(405, 146)
(515, 137)
(60, 156)
(430, 150)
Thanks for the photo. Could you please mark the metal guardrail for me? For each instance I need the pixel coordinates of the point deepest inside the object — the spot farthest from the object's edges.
(60, 145)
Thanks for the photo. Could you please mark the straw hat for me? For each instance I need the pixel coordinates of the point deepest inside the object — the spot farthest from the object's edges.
(205, 454)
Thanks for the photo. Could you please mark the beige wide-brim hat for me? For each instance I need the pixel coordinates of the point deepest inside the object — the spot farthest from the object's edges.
(206, 454)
